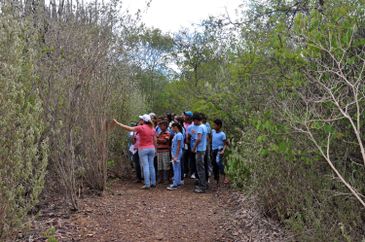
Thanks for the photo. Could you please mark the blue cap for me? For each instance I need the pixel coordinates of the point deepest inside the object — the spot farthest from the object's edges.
(189, 113)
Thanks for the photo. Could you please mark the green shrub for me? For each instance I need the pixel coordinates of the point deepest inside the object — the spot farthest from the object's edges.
(295, 186)
(23, 151)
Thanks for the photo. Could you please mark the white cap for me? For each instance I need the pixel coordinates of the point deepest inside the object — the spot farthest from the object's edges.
(146, 118)
(152, 114)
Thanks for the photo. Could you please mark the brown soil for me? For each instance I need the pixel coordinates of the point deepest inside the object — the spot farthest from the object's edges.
(127, 213)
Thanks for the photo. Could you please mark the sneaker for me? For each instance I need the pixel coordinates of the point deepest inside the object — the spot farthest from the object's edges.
(193, 176)
(199, 190)
(171, 187)
(153, 186)
(145, 187)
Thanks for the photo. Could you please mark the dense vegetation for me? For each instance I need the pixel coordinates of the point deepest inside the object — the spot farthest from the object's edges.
(287, 79)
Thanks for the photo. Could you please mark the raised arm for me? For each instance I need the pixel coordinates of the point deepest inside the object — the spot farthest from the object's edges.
(125, 127)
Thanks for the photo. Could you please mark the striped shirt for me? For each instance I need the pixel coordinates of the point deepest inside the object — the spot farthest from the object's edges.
(163, 141)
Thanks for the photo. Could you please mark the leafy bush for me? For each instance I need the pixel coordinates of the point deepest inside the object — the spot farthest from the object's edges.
(23, 150)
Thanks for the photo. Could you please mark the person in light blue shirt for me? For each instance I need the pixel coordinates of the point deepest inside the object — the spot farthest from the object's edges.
(202, 147)
(218, 139)
(219, 145)
(197, 135)
(176, 154)
(207, 160)
(194, 131)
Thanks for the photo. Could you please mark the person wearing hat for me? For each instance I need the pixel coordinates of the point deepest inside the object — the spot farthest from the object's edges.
(146, 148)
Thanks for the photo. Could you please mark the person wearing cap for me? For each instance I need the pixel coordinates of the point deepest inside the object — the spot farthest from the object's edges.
(146, 148)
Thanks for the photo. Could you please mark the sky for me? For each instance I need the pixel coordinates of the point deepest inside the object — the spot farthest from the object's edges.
(172, 15)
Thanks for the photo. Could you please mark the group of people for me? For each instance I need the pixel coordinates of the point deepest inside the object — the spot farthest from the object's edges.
(173, 147)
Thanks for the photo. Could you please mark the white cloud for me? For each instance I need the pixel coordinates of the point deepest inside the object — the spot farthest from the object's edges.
(171, 15)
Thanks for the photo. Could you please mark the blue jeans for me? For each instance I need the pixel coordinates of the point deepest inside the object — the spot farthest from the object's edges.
(177, 172)
(147, 156)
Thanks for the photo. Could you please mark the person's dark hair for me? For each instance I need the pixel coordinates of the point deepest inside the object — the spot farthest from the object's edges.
(163, 122)
(170, 116)
(204, 117)
(218, 122)
(180, 120)
(179, 127)
(197, 116)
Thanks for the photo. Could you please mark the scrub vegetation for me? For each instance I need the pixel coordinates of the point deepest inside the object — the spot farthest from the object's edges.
(287, 78)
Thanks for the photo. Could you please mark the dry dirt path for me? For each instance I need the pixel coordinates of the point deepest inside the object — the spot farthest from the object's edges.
(127, 213)
(132, 214)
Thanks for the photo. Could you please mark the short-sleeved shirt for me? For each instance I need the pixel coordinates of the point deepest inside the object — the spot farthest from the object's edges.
(172, 133)
(218, 139)
(146, 136)
(178, 137)
(194, 130)
(203, 143)
(209, 130)
(183, 132)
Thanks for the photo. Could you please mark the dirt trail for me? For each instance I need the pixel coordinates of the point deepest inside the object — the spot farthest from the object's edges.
(127, 213)
(132, 214)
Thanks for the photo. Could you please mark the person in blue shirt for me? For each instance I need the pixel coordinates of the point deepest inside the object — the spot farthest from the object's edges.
(207, 160)
(198, 142)
(180, 120)
(219, 145)
(176, 154)
(188, 158)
